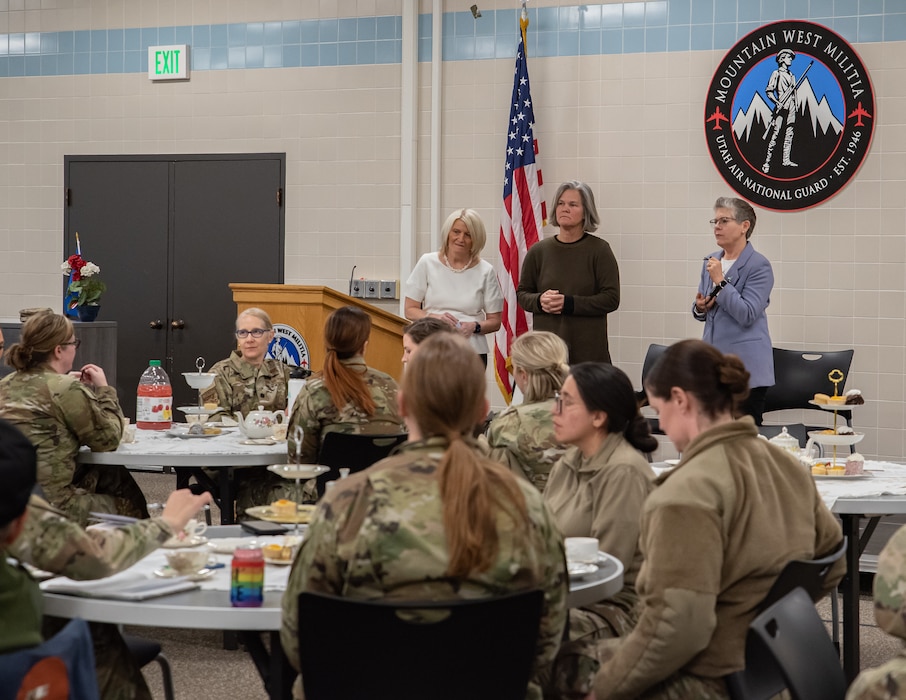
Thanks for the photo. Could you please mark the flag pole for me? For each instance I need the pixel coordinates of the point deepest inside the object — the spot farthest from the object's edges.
(523, 214)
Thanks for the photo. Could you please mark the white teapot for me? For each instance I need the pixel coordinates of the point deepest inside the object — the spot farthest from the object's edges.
(258, 424)
(787, 442)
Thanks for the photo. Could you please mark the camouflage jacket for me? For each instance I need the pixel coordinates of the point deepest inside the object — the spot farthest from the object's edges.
(380, 533)
(522, 438)
(315, 413)
(53, 542)
(59, 414)
(21, 608)
(887, 681)
(241, 387)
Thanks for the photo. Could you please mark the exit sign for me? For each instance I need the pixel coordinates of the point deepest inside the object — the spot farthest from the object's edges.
(168, 62)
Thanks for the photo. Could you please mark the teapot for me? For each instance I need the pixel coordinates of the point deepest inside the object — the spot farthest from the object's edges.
(258, 424)
(787, 442)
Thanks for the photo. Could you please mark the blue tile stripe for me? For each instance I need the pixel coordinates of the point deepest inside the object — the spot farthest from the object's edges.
(616, 28)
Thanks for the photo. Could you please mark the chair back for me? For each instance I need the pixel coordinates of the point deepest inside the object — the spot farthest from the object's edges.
(409, 650)
(61, 667)
(798, 376)
(357, 451)
(808, 574)
(789, 641)
(651, 357)
(760, 679)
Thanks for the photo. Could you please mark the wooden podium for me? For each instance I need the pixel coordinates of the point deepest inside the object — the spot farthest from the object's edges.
(305, 309)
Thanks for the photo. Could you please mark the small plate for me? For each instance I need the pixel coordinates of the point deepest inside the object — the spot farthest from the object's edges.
(841, 476)
(227, 545)
(200, 575)
(579, 570)
(304, 512)
(671, 462)
(196, 410)
(258, 441)
(278, 562)
(298, 471)
(186, 435)
(174, 543)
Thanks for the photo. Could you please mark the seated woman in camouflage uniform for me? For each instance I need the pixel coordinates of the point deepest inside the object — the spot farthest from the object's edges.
(522, 437)
(418, 330)
(436, 520)
(347, 396)
(246, 380)
(597, 490)
(889, 679)
(59, 411)
(716, 532)
(53, 542)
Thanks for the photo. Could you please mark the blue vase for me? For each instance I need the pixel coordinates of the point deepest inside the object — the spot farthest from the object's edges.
(88, 313)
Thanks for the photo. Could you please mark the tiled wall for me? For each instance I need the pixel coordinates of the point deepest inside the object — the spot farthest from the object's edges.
(618, 91)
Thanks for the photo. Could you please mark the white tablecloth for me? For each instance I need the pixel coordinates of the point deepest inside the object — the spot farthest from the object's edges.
(881, 479)
(275, 576)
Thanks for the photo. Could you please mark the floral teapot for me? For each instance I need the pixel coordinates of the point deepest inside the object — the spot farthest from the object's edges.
(258, 424)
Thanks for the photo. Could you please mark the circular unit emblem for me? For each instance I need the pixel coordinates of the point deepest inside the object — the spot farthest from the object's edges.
(789, 115)
(289, 347)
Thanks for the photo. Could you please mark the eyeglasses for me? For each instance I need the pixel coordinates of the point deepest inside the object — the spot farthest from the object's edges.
(722, 221)
(75, 343)
(255, 332)
(560, 403)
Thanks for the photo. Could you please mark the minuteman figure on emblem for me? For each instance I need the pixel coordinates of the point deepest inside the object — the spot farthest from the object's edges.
(781, 90)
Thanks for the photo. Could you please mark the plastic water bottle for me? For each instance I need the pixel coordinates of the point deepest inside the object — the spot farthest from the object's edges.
(154, 401)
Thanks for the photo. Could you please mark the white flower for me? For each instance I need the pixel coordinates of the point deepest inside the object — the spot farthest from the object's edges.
(65, 267)
(90, 269)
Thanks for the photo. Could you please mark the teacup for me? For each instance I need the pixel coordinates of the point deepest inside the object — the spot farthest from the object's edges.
(581, 549)
(195, 417)
(280, 431)
(194, 528)
(187, 561)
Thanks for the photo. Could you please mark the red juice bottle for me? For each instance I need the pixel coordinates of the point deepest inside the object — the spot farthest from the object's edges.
(154, 400)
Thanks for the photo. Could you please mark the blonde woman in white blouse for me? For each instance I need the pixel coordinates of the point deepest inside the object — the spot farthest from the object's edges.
(456, 285)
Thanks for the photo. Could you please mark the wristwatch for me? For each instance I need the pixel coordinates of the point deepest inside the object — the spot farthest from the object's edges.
(477, 328)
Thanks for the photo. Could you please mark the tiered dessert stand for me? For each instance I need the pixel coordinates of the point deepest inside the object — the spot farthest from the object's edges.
(834, 440)
(199, 380)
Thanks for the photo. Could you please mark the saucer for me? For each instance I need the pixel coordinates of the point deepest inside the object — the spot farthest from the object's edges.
(174, 543)
(168, 572)
(258, 441)
(579, 570)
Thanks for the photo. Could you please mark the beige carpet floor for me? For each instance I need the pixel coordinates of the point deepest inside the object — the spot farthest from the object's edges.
(202, 668)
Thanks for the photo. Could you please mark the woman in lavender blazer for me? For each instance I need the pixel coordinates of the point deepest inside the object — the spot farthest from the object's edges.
(733, 298)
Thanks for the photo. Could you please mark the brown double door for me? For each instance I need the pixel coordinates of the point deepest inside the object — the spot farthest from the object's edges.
(169, 234)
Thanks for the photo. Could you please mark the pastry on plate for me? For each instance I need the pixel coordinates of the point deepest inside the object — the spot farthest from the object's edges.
(854, 397)
(821, 398)
(819, 470)
(855, 464)
(284, 508)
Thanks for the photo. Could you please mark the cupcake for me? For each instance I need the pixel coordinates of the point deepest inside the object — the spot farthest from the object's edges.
(855, 464)
(845, 430)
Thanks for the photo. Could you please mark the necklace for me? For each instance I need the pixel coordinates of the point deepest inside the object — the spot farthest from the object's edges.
(458, 271)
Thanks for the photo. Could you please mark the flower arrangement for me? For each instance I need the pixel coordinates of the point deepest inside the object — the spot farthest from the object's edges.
(84, 285)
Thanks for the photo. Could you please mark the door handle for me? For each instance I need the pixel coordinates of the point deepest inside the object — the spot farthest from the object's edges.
(156, 324)
(178, 324)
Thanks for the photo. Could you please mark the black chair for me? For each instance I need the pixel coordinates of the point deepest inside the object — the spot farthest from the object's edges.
(787, 647)
(755, 681)
(481, 649)
(798, 376)
(355, 451)
(651, 357)
(144, 651)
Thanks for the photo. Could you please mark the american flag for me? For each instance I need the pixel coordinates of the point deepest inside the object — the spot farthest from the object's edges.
(523, 216)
